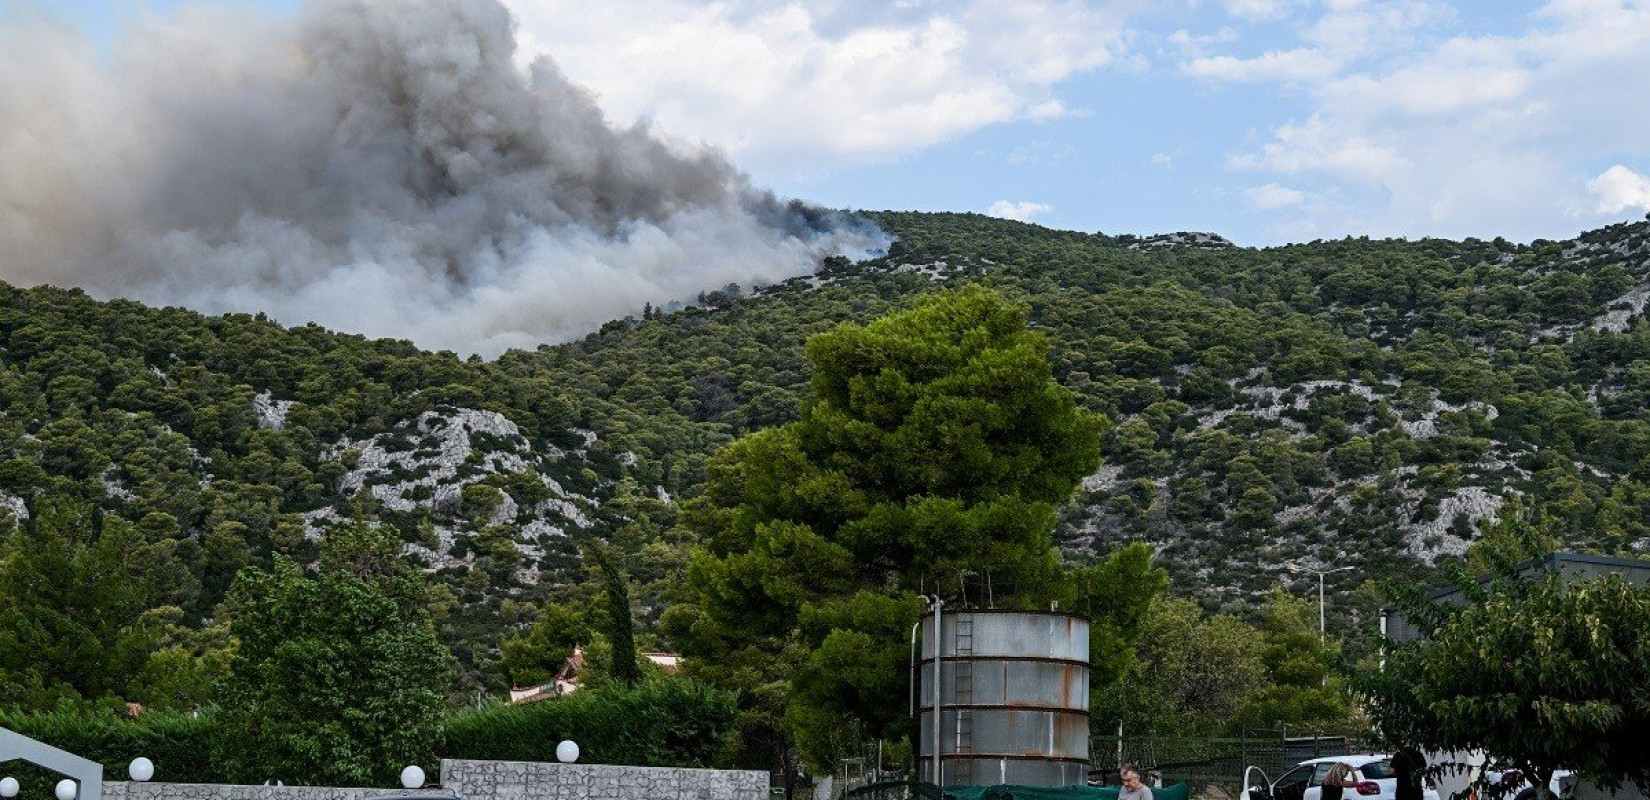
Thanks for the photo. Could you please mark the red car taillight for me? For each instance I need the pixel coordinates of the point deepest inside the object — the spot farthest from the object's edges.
(1369, 788)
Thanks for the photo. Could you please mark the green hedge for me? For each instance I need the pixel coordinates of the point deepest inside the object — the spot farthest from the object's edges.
(180, 746)
(660, 723)
(671, 722)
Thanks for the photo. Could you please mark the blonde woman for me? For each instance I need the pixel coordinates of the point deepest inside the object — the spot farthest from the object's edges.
(1338, 780)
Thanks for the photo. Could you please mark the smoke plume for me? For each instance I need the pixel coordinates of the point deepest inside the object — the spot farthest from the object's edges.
(375, 166)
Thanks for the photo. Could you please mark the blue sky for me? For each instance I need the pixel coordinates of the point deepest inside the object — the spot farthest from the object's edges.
(1264, 120)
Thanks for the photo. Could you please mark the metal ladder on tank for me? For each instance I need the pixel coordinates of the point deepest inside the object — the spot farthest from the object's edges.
(963, 683)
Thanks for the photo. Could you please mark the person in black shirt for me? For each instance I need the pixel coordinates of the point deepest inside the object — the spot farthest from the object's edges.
(1337, 781)
(1408, 765)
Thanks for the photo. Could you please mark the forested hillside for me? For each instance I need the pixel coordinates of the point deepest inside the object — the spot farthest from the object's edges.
(1355, 402)
(1360, 402)
(150, 454)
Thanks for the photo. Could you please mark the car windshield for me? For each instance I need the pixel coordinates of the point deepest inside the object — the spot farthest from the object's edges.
(1377, 770)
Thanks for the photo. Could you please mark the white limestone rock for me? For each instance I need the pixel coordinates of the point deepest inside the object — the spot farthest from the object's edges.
(19, 510)
(428, 462)
(271, 412)
(1183, 240)
(1429, 540)
(1617, 319)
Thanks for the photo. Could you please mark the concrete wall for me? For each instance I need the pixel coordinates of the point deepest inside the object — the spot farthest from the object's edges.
(495, 780)
(1586, 790)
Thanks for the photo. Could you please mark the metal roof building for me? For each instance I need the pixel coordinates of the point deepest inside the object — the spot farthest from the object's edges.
(1569, 567)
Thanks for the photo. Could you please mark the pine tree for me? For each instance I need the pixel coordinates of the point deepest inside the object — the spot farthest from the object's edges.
(935, 444)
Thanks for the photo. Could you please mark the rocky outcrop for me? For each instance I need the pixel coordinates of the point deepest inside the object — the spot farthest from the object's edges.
(424, 466)
(271, 412)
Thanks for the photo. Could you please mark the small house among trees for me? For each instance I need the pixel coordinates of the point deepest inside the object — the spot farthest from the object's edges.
(567, 678)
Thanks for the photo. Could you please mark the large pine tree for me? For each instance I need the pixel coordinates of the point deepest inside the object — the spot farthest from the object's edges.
(936, 445)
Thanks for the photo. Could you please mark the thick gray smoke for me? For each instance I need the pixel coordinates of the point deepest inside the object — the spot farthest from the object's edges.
(379, 166)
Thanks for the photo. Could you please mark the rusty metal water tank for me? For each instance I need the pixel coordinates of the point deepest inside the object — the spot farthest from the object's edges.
(1014, 698)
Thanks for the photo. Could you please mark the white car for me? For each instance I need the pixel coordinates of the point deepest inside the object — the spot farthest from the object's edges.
(1372, 773)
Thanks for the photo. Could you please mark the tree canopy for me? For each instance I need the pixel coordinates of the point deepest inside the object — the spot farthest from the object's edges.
(935, 446)
(86, 614)
(338, 678)
(1539, 670)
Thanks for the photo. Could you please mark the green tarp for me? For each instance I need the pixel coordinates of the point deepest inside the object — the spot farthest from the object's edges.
(1177, 791)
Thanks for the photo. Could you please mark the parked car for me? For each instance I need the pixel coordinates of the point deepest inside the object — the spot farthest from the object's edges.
(1371, 772)
(1514, 785)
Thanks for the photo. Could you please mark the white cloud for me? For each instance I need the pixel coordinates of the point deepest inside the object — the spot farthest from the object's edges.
(1464, 75)
(1020, 211)
(1420, 130)
(1040, 153)
(1163, 160)
(1192, 44)
(1355, 29)
(1272, 196)
(1051, 110)
(1619, 189)
(1260, 10)
(773, 80)
(1286, 65)
(1317, 145)
(1347, 31)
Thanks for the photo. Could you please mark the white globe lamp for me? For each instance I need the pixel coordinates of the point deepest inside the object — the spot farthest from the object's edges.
(142, 769)
(67, 789)
(567, 752)
(412, 777)
(8, 786)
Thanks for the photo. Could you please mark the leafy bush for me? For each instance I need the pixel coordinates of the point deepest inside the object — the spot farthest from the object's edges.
(180, 745)
(662, 722)
(676, 722)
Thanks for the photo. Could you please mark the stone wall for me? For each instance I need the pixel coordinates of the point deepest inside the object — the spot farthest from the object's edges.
(128, 790)
(494, 780)
(521, 780)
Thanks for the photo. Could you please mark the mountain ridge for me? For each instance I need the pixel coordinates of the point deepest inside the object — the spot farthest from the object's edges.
(1361, 402)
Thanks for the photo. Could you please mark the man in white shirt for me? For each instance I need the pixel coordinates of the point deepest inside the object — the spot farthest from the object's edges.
(1133, 789)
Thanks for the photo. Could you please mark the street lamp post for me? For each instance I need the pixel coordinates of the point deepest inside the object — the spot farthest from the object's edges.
(1323, 632)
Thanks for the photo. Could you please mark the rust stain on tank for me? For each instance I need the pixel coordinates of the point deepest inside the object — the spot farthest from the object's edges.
(1028, 697)
(1072, 728)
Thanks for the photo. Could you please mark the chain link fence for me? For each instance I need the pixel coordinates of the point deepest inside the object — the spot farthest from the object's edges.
(1213, 766)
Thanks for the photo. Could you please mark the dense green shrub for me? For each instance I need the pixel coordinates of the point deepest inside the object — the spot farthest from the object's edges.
(661, 722)
(180, 745)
